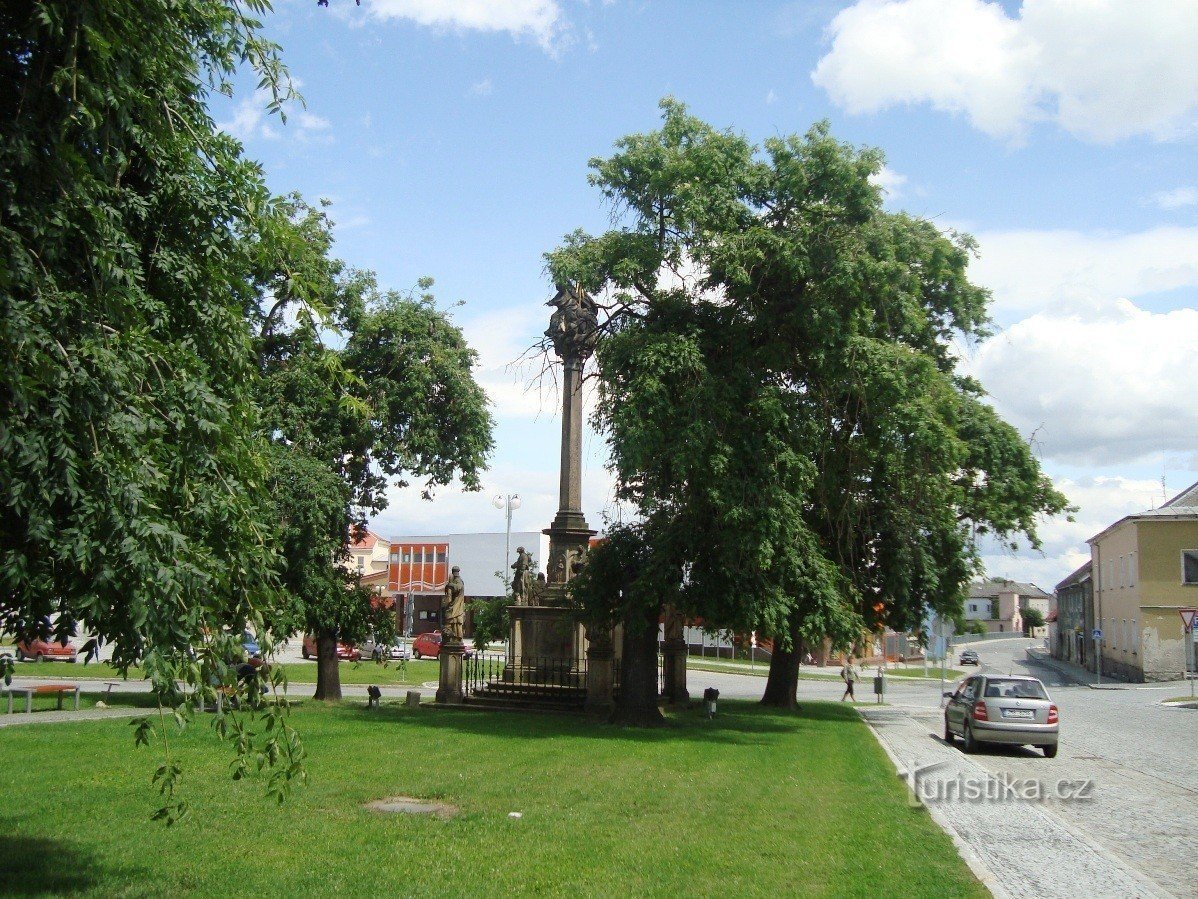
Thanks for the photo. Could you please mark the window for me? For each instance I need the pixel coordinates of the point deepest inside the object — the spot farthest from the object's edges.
(394, 558)
(973, 607)
(407, 556)
(423, 615)
(418, 557)
(440, 557)
(361, 564)
(1189, 566)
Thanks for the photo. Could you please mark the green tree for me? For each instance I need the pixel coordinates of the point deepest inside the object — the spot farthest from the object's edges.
(368, 388)
(778, 391)
(131, 471)
(1032, 619)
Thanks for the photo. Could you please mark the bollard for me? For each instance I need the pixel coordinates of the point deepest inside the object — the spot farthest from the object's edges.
(413, 699)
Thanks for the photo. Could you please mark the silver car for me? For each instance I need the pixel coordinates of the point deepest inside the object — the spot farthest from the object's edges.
(1010, 709)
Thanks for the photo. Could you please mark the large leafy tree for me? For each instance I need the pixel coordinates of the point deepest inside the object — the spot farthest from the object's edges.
(360, 389)
(130, 474)
(778, 390)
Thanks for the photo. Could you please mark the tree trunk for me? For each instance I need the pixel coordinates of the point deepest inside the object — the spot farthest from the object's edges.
(782, 685)
(637, 704)
(328, 674)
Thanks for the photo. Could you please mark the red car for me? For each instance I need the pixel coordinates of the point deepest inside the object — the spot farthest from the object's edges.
(345, 652)
(430, 645)
(45, 651)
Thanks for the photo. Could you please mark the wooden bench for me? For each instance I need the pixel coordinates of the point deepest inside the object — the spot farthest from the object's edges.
(42, 689)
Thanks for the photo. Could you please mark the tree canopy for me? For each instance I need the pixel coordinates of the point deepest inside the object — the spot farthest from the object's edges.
(777, 382)
(359, 389)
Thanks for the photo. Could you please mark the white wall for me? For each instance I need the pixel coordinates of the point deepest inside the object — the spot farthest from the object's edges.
(481, 555)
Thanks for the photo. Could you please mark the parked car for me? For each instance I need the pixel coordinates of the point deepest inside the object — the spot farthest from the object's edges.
(430, 645)
(249, 643)
(397, 652)
(345, 651)
(46, 651)
(969, 657)
(1011, 709)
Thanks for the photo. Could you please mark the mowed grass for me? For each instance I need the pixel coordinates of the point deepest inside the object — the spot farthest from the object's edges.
(365, 672)
(751, 803)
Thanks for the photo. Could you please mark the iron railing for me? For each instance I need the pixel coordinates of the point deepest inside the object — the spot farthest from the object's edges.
(547, 676)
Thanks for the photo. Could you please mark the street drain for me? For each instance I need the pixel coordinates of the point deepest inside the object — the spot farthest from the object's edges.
(409, 806)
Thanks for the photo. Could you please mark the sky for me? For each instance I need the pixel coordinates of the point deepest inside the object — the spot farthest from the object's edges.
(452, 137)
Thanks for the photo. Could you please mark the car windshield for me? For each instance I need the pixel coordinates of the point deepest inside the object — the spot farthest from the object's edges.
(1015, 689)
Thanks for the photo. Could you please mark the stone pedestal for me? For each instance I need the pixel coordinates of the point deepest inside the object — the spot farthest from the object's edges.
(600, 672)
(673, 659)
(449, 686)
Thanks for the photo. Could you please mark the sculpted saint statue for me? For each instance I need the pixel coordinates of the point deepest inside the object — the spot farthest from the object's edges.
(453, 608)
(574, 322)
(522, 576)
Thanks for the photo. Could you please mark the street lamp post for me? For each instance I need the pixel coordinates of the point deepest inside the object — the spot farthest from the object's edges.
(509, 503)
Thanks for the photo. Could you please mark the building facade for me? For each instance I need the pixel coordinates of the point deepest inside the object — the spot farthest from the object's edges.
(998, 604)
(418, 567)
(1070, 638)
(1145, 568)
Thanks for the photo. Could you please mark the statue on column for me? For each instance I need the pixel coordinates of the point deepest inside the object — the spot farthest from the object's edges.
(453, 608)
(522, 577)
(574, 324)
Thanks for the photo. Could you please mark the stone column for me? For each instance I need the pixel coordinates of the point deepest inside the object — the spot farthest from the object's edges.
(673, 659)
(600, 671)
(449, 688)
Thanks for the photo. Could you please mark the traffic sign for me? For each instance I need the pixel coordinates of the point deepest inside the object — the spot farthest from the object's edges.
(1187, 618)
(1097, 634)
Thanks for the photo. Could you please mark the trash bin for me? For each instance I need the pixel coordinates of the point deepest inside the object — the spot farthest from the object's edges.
(879, 686)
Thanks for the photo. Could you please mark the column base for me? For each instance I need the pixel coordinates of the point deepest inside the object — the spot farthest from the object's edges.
(449, 685)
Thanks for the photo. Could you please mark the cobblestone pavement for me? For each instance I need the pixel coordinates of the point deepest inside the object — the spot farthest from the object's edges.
(1135, 836)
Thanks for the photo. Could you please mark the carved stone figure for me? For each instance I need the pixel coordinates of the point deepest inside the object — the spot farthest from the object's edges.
(522, 576)
(453, 608)
(539, 590)
(574, 323)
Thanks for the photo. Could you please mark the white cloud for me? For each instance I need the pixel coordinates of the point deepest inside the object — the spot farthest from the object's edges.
(251, 121)
(1100, 501)
(540, 19)
(1176, 198)
(890, 181)
(1111, 385)
(482, 88)
(1029, 270)
(770, 97)
(501, 338)
(1102, 69)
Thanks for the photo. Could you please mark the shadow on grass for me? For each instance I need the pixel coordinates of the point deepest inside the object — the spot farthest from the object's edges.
(739, 721)
(39, 866)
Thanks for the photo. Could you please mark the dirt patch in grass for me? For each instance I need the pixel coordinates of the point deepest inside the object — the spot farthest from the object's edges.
(406, 805)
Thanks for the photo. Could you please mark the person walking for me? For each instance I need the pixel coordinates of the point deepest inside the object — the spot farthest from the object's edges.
(849, 675)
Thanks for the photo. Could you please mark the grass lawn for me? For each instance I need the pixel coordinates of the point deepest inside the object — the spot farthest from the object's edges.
(763, 670)
(297, 672)
(752, 803)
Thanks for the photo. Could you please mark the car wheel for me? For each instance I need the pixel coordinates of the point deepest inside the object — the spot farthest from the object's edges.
(1050, 752)
(307, 655)
(949, 736)
(416, 653)
(20, 656)
(39, 657)
(971, 745)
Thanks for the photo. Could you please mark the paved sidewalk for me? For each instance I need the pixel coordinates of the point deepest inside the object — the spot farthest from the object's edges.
(16, 719)
(1017, 847)
(1077, 674)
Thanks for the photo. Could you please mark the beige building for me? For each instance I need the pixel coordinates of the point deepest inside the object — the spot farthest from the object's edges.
(998, 604)
(368, 554)
(1144, 568)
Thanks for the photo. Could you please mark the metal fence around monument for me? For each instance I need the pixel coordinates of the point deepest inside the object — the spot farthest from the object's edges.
(546, 676)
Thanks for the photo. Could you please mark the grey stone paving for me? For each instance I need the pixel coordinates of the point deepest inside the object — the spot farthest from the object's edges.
(1018, 848)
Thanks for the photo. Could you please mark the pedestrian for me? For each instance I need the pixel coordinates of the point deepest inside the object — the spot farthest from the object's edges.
(849, 675)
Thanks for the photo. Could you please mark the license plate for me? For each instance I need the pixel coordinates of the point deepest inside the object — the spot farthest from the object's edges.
(1027, 714)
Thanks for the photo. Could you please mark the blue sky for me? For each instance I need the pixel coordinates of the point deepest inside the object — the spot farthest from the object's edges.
(452, 137)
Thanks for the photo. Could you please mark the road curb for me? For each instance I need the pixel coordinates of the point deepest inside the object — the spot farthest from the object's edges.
(975, 862)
